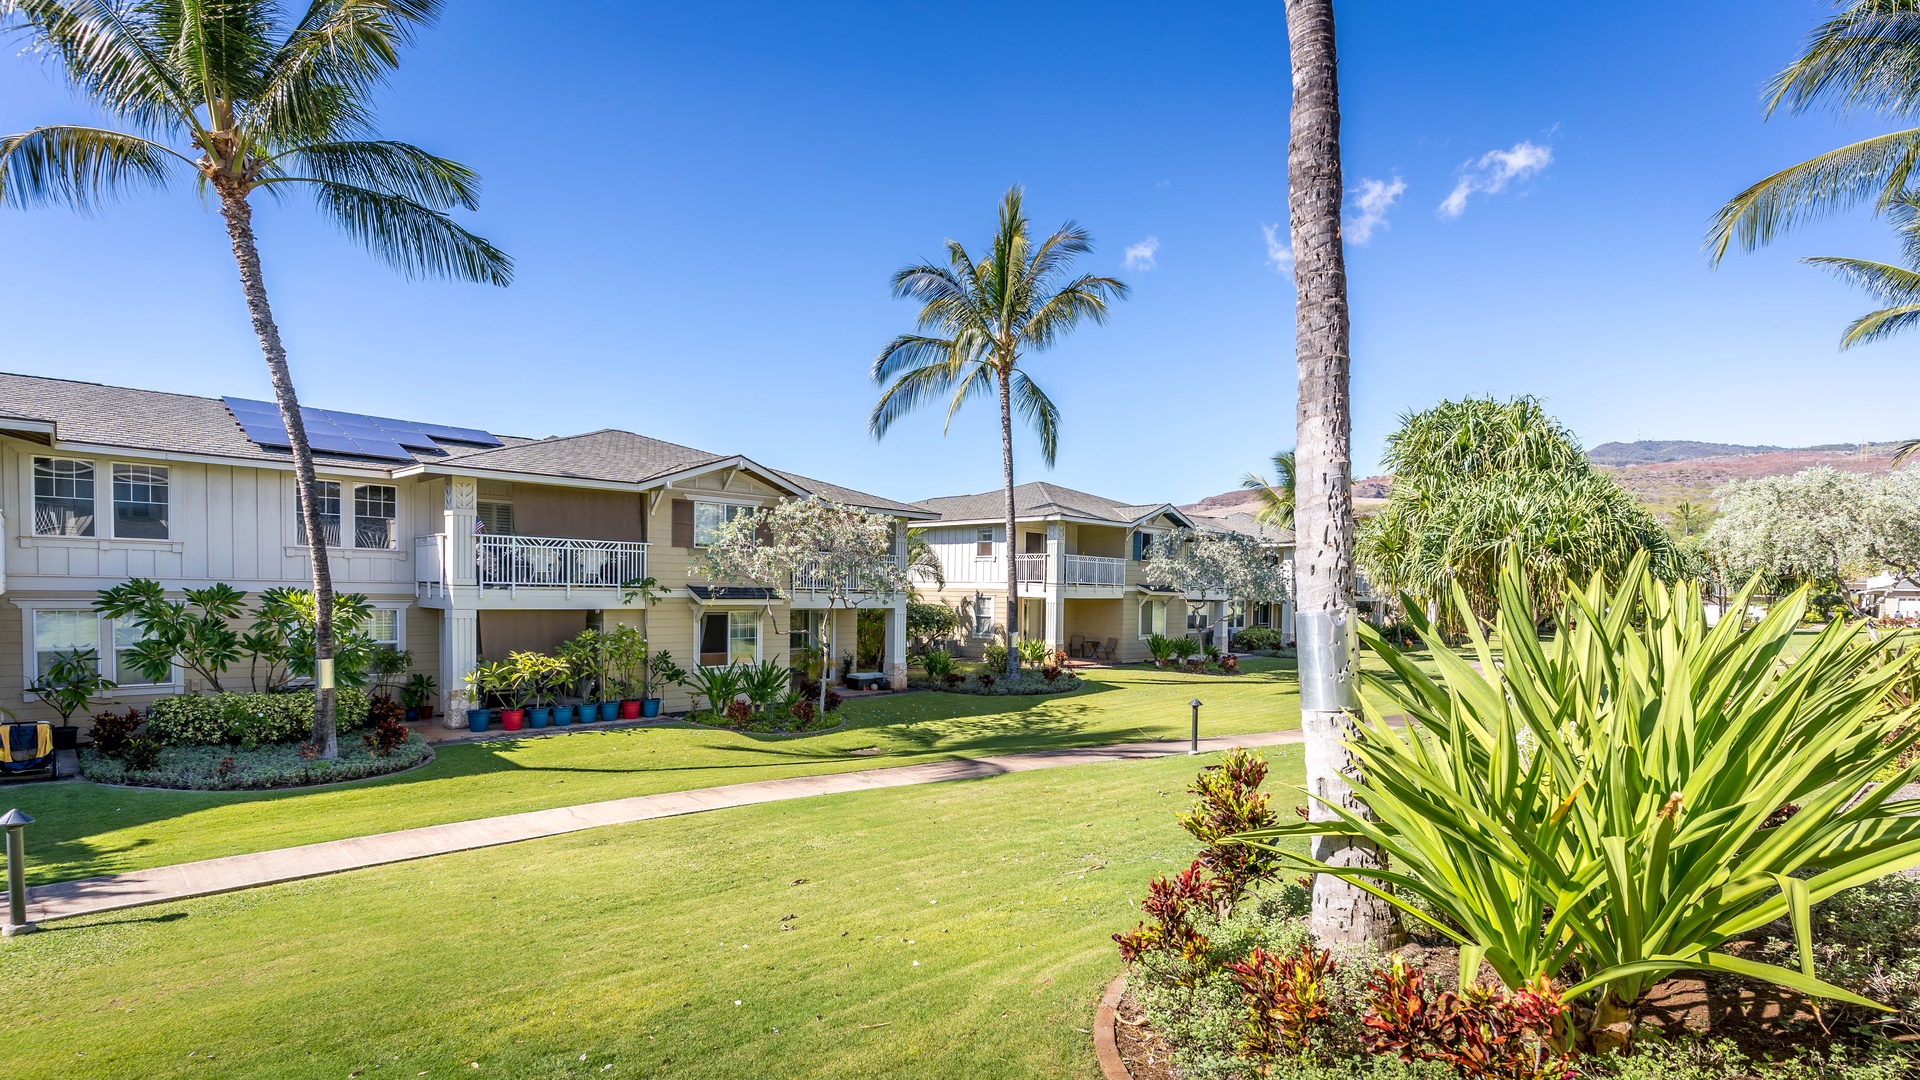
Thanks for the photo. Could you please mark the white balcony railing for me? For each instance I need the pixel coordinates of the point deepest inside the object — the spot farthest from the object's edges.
(1030, 569)
(552, 562)
(818, 583)
(1094, 570)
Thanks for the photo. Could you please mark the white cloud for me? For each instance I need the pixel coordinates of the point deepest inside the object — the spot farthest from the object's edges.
(1375, 199)
(1279, 255)
(1140, 256)
(1492, 173)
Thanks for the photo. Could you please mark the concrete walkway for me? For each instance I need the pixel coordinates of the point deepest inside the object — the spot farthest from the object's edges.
(164, 884)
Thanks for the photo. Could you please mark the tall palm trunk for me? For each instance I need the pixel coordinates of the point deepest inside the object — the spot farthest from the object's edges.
(1323, 517)
(1013, 566)
(239, 217)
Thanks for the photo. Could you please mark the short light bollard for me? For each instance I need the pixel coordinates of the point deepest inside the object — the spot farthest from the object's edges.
(1195, 747)
(16, 824)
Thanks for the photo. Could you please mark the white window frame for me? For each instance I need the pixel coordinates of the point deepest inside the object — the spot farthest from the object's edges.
(394, 542)
(729, 509)
(984, 535)
(1159, 609)
(983, 613)
(399, 623)
(33, 494)
(759, 633)
(113, 500)
(103, 647)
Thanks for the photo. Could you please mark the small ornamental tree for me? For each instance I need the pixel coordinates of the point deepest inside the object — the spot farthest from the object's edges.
(1811, 526)
(842, 551)
(1235, 563)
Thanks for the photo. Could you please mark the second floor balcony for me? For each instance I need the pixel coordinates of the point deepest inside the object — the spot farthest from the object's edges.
(815, 582)
(534, 562)
(1072, 570)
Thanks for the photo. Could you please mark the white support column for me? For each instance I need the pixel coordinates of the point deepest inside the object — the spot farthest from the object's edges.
(459, 652)
(463, 505)
(1056, 585)
(896, 655)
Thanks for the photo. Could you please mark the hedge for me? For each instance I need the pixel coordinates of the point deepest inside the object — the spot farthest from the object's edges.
(247, 719)
(1258, 639)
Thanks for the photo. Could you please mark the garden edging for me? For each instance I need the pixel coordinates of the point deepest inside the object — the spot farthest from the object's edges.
(1106, 1047)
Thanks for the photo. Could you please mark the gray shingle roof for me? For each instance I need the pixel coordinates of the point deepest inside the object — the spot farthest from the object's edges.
(1037, 500)
(610, 455)
(847, 495)
(153, 420)
(1246, 524)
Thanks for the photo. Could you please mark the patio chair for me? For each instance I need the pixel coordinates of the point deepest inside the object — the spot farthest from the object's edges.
(26, 748)
(1077, 645)
(1110, 649)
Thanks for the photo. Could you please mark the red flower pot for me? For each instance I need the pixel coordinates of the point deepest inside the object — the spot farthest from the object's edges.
(630, 710)
(426, 712)
(511, 718)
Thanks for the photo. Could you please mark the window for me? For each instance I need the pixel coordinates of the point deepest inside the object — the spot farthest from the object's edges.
(807, 630)
(62, 497)
(383, 627)
(376, 513)
(983, 544)
(709, 516)
(1153, 617)
(1237, 615)
(1143, 546)
(729, 637)
(1263, 614)
(327, 492)
(126, 634)
(982, 615)
(60, 631)
(496, 518)
(140, 502)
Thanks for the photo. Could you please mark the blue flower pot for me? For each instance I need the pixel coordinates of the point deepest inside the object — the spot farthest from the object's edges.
(609, 710)
(539, 717)
(650, 707)
(477, 719)
(587, 712)
(563, 715)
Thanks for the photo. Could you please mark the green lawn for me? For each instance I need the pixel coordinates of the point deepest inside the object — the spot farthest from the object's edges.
(954, 930)
(86, 829)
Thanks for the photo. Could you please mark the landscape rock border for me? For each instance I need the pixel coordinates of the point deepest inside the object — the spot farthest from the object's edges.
(1106, 1047)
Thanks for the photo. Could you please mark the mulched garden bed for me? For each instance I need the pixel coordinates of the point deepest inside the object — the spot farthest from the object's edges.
(276, 765)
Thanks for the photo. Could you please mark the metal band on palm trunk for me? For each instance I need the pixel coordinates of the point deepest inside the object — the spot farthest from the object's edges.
(1328, 649)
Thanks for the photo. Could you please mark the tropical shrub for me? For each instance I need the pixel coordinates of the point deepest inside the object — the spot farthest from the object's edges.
(69, 683)
(739, 712)
(1602, 798)
(247, 719)
(1161, 648)
(226, 768)
(719, 685)
(1258, 639)
(803, 711)
(986, 677)
(1033, 652)
(140, 754)
(1230, 802)
(381, 739)
(196, 633)
(1287, 996)
(1185, 648)
(931, 622)
(938, 664)
(111, 730)
(765, 683)
(1484, 1033)
(995, 657)
(1171, 906)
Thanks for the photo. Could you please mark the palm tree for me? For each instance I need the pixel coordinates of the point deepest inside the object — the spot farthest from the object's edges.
(977, 321)
(1867, 57)
(1689, 516)
(923, 562)
(1276, 496)
(240, 98)
(1323, 567)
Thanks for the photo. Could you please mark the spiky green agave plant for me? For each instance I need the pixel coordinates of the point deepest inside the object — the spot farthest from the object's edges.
(1603, 797)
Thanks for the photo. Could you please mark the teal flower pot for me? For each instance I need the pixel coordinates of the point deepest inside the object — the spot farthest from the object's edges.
(650, 707)
(562, 715)
(477, 719)
(609, 710)
(539, 717)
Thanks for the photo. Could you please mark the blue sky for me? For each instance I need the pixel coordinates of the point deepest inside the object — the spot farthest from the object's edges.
(706, 201)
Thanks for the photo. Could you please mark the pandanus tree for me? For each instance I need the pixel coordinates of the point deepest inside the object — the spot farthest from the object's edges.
(978, 321)
(1323, 511)
(243, 97)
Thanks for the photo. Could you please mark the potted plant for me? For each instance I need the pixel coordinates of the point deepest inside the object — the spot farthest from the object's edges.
(520, 685)
(384, 665)
(415, 695)
(65, 687)
(533, 685)
(659, 671)
(484, 681)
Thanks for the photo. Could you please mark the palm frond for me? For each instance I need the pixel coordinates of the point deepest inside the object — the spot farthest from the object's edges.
(1866, 57)
(335, 54)
(1083, 299)
(81, 167)
(121, 63)
(1039, 411)
(394, 167)
(979, 380)
(1893, 284)
(1878, 169)
(417, 240)
(933, 370)
(1880, 325)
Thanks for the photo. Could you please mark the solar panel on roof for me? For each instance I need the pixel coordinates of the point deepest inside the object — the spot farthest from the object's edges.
(351, 433)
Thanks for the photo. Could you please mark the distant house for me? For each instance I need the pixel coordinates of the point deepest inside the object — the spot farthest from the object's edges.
(469, 545)
(1889, 596)
(1078, 559)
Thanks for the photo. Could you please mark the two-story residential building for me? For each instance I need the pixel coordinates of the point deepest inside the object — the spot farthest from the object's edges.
(1078, 559)
(468, 545)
